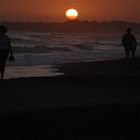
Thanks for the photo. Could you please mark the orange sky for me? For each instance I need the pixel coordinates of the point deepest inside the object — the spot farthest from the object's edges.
(100, 10)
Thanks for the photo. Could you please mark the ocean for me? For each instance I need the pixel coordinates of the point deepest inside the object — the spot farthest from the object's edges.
(37, 53)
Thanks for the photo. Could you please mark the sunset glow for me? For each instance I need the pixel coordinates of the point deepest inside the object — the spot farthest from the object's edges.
(72, 14)
(99, 10)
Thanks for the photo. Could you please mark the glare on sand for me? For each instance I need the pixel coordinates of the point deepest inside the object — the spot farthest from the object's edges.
(30, 71)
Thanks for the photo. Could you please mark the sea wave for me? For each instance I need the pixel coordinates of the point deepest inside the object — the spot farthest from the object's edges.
(83, 46)
(18, 40)
(40, 49)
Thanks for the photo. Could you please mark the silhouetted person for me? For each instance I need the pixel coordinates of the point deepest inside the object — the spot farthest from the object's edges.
(130, 43)
(5, 49)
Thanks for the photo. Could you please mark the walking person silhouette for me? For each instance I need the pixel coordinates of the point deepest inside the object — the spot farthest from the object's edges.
(130, 43)
(5, 49)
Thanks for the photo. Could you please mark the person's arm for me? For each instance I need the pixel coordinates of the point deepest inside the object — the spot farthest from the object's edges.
(10, 47)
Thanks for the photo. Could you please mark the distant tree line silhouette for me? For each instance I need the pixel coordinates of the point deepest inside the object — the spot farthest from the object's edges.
(73, 26)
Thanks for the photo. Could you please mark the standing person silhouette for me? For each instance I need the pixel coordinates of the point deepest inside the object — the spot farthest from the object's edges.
(5, 49)
(130, 43)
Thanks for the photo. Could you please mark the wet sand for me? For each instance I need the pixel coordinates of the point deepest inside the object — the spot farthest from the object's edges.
(30, 71)
(93, 100)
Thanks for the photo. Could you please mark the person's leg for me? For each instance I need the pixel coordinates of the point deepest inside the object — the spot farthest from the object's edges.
(1, 61)
(127, 52)
(133, 52)
(2, 72)
(2, 68)
(3, 58)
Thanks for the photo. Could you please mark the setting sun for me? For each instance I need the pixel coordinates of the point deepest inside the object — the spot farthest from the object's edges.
(72, 14)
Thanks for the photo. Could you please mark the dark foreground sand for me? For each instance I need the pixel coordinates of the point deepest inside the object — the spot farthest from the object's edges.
(93, 100)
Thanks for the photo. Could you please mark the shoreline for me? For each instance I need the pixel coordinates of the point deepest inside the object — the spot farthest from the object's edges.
(49, 70)
(120, 67)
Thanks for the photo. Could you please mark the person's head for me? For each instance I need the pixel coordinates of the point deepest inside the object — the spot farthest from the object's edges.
(3, 29)
(128, 30)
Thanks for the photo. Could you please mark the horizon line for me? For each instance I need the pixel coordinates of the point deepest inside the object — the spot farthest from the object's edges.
(41, 21)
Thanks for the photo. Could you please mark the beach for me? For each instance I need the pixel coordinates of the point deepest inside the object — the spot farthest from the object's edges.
(91, 100)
